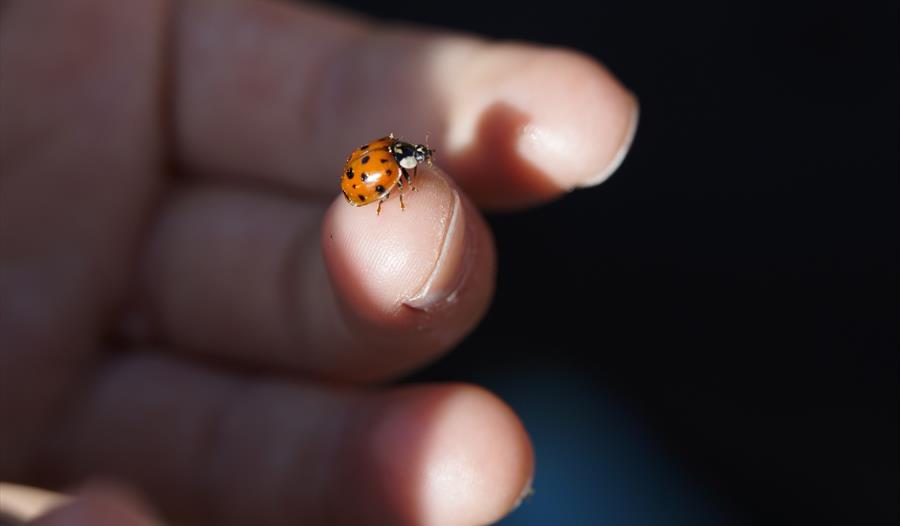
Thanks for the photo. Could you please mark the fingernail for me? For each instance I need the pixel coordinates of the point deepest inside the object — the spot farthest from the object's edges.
(621, 153)
(526, 492)
(451, 265)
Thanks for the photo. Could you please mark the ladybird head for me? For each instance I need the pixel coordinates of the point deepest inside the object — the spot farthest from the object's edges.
(423, 153)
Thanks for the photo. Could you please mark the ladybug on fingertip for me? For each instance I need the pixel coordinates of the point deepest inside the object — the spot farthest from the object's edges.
(375, 169)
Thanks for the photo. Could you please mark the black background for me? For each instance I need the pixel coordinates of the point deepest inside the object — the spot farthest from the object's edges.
(736, 281)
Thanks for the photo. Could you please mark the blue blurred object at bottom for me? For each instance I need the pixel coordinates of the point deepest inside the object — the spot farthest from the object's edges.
(596, 463)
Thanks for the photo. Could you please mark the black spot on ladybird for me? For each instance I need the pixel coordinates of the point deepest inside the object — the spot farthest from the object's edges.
(350, 173)
(363, 176)
(354, 186)
(361, 197)
(384, 160)
(379, 189)
(388, 171)
(365, 159)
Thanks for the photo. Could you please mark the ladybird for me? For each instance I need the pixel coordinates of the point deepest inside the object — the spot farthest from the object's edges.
(373, 170)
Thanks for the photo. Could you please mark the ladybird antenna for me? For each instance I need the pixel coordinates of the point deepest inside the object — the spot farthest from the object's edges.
(429, 152)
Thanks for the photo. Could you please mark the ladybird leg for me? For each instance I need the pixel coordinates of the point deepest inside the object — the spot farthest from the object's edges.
(378, 210)
(415, 172)
(400, 190)
(406, 176)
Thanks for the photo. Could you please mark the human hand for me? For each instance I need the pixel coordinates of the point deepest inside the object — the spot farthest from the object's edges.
(186, 307)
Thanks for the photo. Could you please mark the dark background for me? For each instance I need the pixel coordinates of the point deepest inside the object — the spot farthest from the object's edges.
(723, 349)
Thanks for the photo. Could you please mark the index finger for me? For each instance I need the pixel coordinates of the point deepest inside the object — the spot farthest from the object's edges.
(278, 94)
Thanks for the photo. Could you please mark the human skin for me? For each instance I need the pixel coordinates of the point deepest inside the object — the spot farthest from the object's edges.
(187, 308)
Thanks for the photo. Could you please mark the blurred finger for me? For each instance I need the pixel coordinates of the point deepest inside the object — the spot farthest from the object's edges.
(21, 503)
(263, 279)
(220, 449)
(280, 94)
(79, 148)
(99, 508)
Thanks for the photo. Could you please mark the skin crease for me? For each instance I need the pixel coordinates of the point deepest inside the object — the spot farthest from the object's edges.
(186, 301)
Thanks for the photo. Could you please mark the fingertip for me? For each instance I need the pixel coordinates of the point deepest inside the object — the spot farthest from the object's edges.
(582, 137)
(527, 124)
(463, 451)
(480, 459)
(417, 279)
(380, 260)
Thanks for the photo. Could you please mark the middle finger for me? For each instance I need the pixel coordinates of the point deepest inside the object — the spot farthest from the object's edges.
(264, 279)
